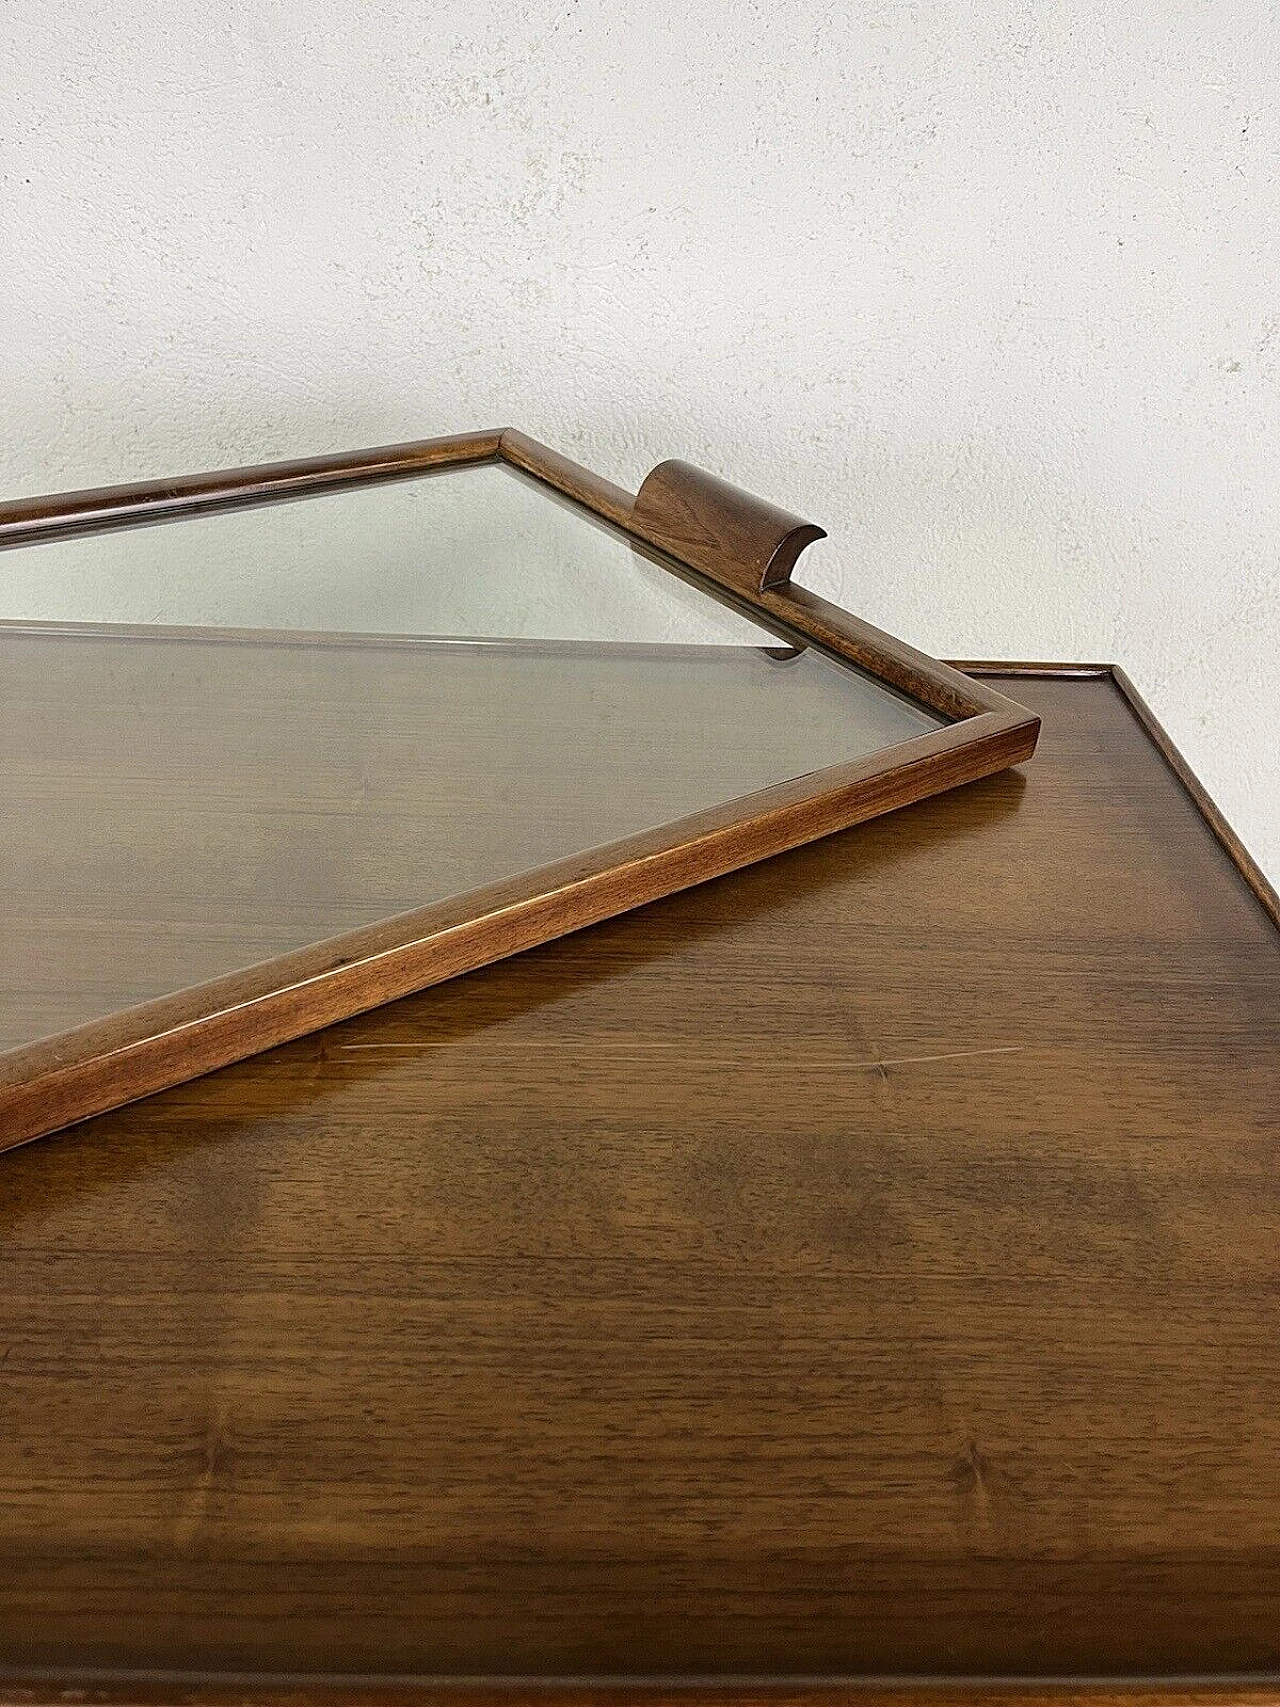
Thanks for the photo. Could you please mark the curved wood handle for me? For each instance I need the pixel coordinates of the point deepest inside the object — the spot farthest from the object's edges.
(738, 539)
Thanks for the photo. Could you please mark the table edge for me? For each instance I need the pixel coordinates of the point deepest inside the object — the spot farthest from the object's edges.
(1252, 873)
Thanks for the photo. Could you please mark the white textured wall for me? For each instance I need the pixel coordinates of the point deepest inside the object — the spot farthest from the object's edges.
(991, 289)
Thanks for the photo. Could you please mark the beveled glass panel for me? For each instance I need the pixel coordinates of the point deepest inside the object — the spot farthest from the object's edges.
(493, 681)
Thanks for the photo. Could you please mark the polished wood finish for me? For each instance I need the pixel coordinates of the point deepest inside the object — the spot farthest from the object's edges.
(729, 534)
(569, 478)
(849, 1692)
(861, 1267)
(51, 1084)
(62, 514)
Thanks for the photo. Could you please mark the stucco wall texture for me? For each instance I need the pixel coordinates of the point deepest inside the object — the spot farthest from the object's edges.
(990, 289)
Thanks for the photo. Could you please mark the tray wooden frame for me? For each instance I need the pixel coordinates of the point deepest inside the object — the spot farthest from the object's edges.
(736, 546)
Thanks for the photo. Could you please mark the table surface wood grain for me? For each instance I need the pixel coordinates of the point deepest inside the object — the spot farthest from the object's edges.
(867, 1265)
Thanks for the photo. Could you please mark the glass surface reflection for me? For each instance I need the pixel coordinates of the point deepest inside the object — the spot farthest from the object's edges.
(495, 682)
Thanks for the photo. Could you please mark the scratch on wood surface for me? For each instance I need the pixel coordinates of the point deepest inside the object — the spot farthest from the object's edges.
(950, 1055)
(631, 1047)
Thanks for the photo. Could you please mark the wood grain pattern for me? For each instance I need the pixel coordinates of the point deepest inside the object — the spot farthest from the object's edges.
(861, 1267)
(740, 540)
(53, 1083)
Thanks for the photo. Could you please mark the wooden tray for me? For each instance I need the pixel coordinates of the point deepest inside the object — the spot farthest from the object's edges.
(214, 840)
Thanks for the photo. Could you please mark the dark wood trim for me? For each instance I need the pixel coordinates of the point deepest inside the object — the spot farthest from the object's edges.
(736, 538)
(766, 530)
(937, 685)
(568, 478)
(1244, 861)
(51, 1084)
(696, 525)
(1019, 667)
(1208, 808)
(155, 1690)
(62, 514)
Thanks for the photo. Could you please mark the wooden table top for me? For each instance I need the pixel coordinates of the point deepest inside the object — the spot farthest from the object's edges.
(866, 1265)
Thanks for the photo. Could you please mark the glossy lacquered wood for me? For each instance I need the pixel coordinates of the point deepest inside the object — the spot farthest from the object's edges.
(673, 1692)
(60, 514)
(718, 528)
(863, 1267)
(695, 525)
